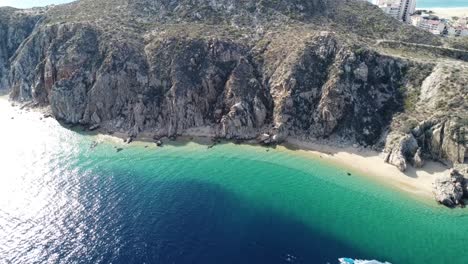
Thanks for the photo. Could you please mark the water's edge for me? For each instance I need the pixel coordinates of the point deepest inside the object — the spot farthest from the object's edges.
(79, 197)
(316, 151)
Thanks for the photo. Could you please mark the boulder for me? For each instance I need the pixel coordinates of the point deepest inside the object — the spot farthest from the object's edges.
(405, 149)
(449, 189)
(95, 118)
(418, 161)
(264, 138)
(94, 127)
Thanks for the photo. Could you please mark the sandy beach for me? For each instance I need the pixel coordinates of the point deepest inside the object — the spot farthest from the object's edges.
(371, 164)
(449, 12)
(362, 161)
(366, 162)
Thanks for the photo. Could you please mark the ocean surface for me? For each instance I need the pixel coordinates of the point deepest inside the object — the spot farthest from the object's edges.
(69, 197)
(441, 3)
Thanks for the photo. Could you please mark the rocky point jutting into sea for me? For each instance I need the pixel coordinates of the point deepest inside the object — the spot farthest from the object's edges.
(266, 70)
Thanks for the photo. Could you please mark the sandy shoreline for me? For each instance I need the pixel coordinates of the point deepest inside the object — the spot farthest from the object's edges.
(365, 162)
(370, 163)
(449, 12)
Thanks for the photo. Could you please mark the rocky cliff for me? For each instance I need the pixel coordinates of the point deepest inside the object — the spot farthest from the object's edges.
(240, 70)
(451, 189)
(15, 27)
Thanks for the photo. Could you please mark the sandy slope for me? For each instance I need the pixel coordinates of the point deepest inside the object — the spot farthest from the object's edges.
(450, 12)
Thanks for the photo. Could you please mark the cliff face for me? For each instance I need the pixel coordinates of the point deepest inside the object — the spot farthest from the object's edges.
(434, 125)
(171, 85)
(234, 69)
(15, 27)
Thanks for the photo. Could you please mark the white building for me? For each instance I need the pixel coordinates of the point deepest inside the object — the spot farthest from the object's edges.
(399, 9)
(457, 27)
(392, 10)
(429, 23)
(407, 8)
(457, 31)
(434, 26)
(464, 32)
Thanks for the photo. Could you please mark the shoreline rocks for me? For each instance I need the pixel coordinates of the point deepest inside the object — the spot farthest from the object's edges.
(269, 73)
(451, 189)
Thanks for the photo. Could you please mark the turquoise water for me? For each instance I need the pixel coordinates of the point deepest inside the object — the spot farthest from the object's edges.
(441, 3)
(64, 201)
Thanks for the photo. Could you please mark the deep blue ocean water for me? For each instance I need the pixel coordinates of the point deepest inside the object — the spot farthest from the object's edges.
(64, 199)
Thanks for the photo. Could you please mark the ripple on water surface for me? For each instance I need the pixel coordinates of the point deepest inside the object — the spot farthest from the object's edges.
(63, 201)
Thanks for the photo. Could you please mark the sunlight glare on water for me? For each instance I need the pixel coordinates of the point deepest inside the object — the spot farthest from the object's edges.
(35, 183)
(64, 199)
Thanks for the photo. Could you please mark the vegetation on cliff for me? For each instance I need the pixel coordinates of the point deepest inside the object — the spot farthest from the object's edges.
(242, 69)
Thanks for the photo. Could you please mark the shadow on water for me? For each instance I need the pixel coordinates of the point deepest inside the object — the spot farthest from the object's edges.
(195, 222)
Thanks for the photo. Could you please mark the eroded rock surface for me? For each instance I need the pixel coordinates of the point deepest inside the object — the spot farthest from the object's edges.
(264, 70)
(450, 189)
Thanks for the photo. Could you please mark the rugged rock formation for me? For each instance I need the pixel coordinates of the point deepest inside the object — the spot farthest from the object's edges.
(436, 116)
(405, 150)
(263, 70)
(450, 189)
(15, 27)
(418, 161)
(443, 140)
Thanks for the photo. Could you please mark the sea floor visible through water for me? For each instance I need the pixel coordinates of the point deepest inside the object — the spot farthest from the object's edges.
(69, 197)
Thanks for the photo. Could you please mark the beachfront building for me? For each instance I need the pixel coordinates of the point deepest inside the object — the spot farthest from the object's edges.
(399, 9)
(436, 27)
(458, 27)
(457, 31)
(407, 8)
(392, 9)
(429, 23)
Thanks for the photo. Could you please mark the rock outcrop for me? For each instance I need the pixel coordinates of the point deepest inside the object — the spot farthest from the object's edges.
(436, 115)
(450, 189)
(264, 70)
(405, 150)
(15, 27)
(436, 139)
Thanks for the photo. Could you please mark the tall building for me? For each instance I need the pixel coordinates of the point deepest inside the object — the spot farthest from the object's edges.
(407, 8)
(390, 7)
(399, 9)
